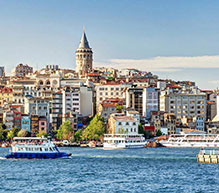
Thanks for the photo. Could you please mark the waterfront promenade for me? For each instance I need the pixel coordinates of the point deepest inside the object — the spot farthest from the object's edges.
(98, 170)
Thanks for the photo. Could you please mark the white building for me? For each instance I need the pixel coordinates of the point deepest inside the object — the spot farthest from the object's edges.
(8, 119)
(184, 103)
(70, 101)
(128, 72)
(37, 106)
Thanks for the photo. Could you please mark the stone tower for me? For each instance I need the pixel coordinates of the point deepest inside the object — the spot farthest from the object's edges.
(84, 57)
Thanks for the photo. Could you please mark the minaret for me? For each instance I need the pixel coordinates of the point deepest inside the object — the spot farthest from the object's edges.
(84, 57)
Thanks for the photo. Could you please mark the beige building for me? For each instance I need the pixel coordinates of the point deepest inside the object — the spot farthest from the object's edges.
(184, 103)
(110, 90)
(108, 106)
(119, 123)
(84, 57)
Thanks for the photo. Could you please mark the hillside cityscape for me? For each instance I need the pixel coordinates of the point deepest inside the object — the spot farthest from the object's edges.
(85, 103)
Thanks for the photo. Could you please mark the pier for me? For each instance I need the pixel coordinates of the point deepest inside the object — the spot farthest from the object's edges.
(208, 156)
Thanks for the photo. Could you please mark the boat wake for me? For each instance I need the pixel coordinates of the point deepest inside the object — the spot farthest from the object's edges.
(2, 158)
(134, 157)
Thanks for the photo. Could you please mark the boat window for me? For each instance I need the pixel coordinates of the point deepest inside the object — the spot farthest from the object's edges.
(50, 149)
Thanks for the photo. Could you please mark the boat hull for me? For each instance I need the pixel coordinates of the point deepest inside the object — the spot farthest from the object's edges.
(123, 146)
(28, 155)
(193, 145)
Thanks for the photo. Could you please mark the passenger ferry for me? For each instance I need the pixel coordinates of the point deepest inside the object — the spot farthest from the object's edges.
(34, 148)
(123, 141)
(192, 140)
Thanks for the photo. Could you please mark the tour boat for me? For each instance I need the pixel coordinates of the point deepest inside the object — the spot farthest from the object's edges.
(123, 141)
(192, 140)
(34, 148)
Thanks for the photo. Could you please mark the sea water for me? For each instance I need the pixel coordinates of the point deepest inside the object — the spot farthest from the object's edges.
(98, 170)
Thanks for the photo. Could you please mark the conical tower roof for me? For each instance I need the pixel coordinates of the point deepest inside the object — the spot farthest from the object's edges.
(84, 43)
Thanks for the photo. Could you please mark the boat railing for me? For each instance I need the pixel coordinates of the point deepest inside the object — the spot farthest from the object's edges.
(216, 138)
(209, 152)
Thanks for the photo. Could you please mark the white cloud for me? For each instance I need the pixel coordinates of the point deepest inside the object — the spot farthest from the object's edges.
(214, 82)
(165, 64)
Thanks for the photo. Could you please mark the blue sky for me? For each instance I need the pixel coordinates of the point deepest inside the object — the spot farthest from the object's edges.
(174, 39)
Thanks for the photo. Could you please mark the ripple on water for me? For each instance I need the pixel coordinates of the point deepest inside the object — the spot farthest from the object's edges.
(96, 170)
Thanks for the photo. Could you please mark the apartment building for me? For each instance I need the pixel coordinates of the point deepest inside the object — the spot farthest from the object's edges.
(143, 100)
(110, 90)
(187, 103)
(25, 122)
(37, 106)
(22, 70)
(6, 96)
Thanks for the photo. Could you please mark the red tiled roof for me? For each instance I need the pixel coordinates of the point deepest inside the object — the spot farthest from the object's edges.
(124, 118)
(211, 102)
(206, 90)
(112, 102)
(93, 74)
(112, 83)
(15, 106)
(174, 86)
(17, 112)
(6, 90)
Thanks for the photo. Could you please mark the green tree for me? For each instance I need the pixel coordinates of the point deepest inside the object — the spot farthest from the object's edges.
(95, 129)
(3, 134)
(42, 134)
(23, 133)
(158, 133)
(110, 78)
(65, 131)
(4, 126)
(147, 134)
(78, 135)
(119, 108)
(12, 133)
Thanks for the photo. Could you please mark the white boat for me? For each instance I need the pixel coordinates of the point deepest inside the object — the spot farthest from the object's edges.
(34, 148)
(192, 140)
(123, 141)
